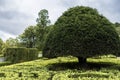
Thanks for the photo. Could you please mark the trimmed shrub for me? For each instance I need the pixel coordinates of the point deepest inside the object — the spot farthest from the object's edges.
(32, 53)
(20, 54)
(81, 32)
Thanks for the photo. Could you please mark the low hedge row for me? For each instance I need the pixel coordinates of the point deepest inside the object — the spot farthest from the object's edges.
(20, 54)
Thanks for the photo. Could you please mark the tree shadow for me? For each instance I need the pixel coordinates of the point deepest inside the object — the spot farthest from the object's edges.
(78, 66)
(89, 75)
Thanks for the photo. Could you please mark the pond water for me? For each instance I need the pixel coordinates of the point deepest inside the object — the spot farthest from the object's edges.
(2, 59)
(39, 55)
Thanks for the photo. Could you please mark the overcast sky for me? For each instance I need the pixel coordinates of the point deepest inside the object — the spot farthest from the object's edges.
(16, 15)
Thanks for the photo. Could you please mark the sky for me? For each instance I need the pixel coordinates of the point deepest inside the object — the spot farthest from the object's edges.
(16, 15)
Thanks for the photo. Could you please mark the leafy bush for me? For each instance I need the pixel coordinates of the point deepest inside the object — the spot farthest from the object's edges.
(20, 54)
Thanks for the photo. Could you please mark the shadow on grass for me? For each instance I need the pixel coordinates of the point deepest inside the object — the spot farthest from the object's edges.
(78, 66)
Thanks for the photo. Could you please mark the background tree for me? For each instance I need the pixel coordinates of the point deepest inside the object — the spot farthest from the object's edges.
(28, 38)
(81, 32)
(11, 42)
(1, 45)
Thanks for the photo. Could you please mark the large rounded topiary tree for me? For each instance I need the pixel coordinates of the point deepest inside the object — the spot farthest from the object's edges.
(81, 32)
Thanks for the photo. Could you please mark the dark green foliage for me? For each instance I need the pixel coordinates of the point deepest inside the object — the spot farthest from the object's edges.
(2, 75)
(81, 32)
(20, 54)
(32, 53)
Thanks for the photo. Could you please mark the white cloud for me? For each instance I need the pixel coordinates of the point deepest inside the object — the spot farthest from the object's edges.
(5, 35)
(16, 15)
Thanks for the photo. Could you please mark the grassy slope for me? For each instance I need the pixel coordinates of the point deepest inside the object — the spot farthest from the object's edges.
(65, 68)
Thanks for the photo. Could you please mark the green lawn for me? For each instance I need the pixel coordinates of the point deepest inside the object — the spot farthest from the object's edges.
(63, 68)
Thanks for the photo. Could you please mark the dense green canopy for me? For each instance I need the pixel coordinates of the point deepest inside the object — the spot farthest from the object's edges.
(81, 32)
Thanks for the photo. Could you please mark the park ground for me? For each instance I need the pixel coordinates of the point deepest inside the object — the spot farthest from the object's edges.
(63, 68)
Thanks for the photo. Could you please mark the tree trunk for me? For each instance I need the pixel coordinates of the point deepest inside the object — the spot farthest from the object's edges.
(82, 60)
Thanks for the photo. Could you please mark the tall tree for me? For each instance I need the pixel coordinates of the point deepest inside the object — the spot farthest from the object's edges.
(43, 18)
(42, 22)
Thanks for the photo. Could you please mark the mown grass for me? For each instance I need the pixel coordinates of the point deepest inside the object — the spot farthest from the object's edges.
(63, 68)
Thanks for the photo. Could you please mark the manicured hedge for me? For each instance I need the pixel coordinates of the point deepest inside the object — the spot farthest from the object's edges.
(32, 53)
(20, 54)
